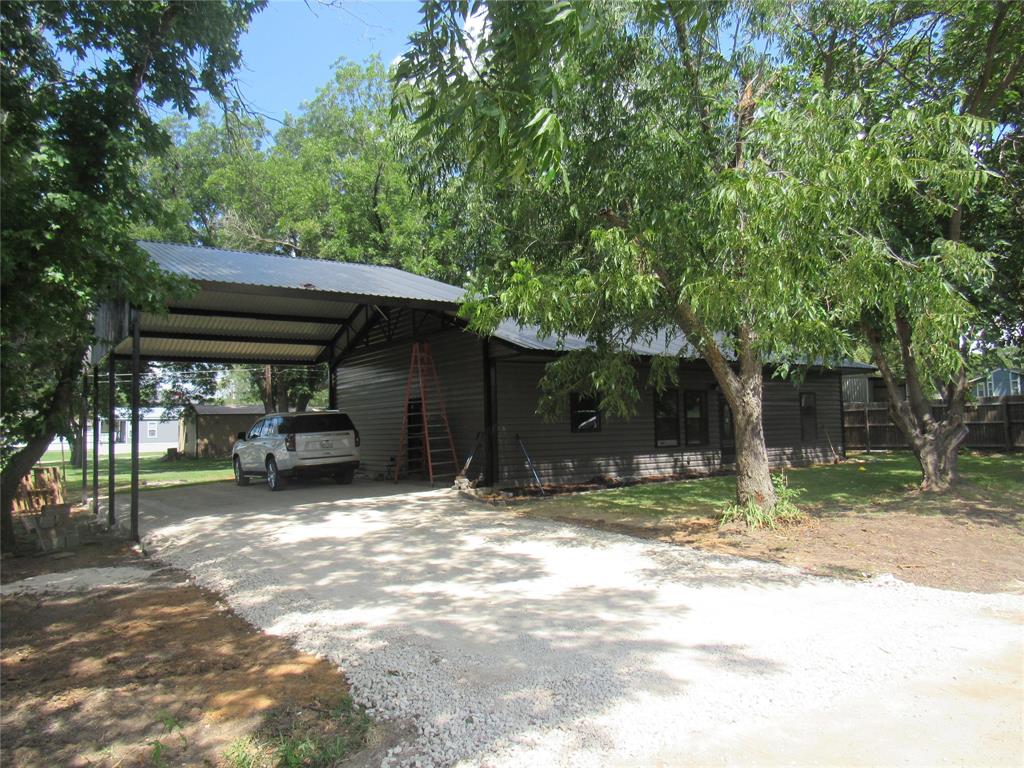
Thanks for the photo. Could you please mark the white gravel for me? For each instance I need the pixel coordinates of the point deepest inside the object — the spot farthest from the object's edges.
(511, 641)
(79, 580)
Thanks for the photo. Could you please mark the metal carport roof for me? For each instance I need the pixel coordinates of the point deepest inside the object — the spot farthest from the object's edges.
(259, 307)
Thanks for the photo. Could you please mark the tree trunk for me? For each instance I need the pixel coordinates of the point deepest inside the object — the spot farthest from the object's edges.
(744, 391)
(74, 438)
(938, 456)
(21, 463)
(266, 387)
(935, 443)
(753, 474)
(281, 393)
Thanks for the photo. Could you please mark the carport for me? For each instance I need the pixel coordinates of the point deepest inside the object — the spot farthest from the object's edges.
(251, 308)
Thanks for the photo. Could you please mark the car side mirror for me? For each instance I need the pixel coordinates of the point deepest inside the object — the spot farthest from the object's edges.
(240, 436)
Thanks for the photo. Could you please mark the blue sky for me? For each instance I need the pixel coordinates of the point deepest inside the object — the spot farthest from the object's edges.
(291, 47)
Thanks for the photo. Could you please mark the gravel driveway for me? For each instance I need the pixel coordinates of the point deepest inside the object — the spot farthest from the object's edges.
(509, 641)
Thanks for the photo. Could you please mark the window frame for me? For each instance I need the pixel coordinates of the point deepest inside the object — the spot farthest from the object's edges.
(808, 411)
(256, 430)
(703, 436)
(152, 430)
(659, 398)
(575, 399)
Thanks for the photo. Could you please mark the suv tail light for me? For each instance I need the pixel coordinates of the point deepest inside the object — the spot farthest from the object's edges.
(357, 437)
(289, 441)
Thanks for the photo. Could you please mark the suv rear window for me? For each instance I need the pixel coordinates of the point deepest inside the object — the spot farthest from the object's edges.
(317, 422)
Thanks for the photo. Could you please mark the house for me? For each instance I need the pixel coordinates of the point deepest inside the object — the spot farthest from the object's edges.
(999, 382)
(361, 322)
(210, 430)
(860, 387)
(491, 388)
(156, 433)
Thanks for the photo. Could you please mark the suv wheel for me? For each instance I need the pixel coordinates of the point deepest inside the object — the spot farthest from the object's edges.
(275, 480)
(240, 478)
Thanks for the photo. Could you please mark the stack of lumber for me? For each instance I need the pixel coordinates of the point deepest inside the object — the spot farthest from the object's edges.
(41, 487)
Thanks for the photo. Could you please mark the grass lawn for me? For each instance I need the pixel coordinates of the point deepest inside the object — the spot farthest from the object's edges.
(869, 482)
(154, 471)
(864, 519)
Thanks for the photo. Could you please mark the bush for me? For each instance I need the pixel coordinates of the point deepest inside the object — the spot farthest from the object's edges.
(784, 510)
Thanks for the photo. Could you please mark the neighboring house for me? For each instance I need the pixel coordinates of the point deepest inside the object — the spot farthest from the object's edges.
(361, 321)
(210, 430)
(870, 388)
(155, 434)
(1000, 382)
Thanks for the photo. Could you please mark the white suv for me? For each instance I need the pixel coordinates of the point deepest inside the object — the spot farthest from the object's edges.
(283, 445)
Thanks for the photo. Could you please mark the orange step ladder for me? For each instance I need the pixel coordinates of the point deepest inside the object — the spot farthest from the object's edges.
(426, 439)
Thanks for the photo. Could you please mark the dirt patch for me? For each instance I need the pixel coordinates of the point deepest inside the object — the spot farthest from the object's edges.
(969, 545)
(158, 673)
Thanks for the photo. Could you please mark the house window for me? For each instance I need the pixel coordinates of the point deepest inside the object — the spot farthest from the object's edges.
(151, 429)
(695, 411)
(584, 414)
(666, 418)
(1016, 383)
(808, 417)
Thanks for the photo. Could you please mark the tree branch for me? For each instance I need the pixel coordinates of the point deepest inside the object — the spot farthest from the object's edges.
(915, 392)
(974, 99)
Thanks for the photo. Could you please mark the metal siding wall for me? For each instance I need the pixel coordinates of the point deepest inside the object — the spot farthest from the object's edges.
(626, 448)
(622, 448)
(782, 420)
(371, 389)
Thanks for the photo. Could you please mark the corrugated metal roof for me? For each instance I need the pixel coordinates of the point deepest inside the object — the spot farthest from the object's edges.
(237, 328)
(665, 342)
(218, 265)
(530, 337)
(295, 306)
(245, 268)
(223, 350)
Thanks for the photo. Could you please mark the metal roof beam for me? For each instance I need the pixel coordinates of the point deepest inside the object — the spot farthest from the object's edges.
(327, 295)
(213, 360)
(189, 336)
(328, 352)
(235, 314)
(371, 320)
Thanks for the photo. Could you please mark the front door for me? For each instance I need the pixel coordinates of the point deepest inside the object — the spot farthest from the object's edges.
(726, 433)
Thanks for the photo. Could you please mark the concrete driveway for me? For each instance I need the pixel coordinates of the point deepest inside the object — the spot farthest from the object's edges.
(505, 641)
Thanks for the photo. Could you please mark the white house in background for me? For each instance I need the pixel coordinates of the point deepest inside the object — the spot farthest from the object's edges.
(155, 434)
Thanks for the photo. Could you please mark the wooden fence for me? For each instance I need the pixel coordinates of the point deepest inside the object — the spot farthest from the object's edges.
(995, 423)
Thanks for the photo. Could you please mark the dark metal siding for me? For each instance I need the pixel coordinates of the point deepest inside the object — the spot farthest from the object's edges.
(626, 449)
(371, 389)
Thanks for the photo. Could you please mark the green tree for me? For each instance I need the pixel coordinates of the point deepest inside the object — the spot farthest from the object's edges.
(663, 169)
(77, 82)
(917, 290)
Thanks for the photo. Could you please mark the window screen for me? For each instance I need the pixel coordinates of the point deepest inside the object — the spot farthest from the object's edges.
(695, 412)
(666, 418)
(808, 417)
(584, 414)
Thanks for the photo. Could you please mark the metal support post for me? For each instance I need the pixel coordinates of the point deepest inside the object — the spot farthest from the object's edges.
(136, 366)
(96, 441)
(111, 435)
